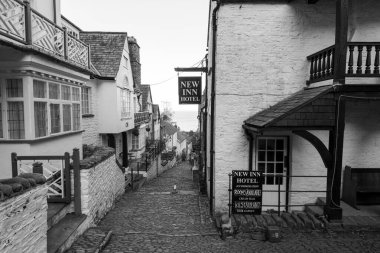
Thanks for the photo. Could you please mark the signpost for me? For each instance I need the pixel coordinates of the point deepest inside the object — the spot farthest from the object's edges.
(246, 192)
(190, 90)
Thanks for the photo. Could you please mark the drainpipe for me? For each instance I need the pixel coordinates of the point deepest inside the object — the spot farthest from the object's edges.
(212, 141)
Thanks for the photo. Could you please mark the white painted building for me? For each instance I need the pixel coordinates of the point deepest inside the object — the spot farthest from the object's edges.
(42, 73)
(257, 58)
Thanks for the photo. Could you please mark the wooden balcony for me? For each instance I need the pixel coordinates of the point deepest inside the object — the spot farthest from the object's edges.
(362, 60)
(20, 23)
(141, 118)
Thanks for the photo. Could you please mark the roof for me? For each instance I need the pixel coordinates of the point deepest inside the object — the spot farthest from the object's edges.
(319, 113)
(145, 90)
(156, 111)
(168, 129)
(180, 137)
(106, 50)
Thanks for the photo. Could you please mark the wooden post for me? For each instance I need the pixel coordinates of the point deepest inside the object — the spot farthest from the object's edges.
(28, 23)
(14, 164)
(77, 183)
(89, 56)
(341, 30)
(67, 178)
(65, 43)
(125, 149)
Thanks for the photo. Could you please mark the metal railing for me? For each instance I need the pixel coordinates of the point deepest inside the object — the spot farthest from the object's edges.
(19, 22)
(278, 180)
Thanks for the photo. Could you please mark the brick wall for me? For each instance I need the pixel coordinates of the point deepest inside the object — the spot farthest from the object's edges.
(23, 222)
(101, 186)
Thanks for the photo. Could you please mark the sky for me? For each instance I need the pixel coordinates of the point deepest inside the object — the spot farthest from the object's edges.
(170, 33)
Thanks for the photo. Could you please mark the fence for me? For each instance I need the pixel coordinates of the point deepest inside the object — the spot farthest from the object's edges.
(56, 170)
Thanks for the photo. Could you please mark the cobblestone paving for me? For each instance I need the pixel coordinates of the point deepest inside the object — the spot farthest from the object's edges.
(153, 220)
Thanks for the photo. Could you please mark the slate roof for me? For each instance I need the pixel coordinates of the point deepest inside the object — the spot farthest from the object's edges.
(180, 137)
(145, 91)
(106, 50)
(156, 111)
(287, 106)
(167, 128)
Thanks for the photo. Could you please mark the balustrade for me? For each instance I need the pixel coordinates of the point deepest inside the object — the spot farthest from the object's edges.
(363, 60)
(359, 52)
(12, 19)
(21, 23)
(322, 64)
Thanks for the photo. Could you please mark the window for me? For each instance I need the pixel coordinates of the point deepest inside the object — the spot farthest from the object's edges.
(14, 88)
(270, 158)
(125, 81)
(16, 128)
(125, 103)
(66, 94)
(76, 117)
(76, 94)
(66, 111)
(39, 89)
(55, 118)
(40, 119)
(1, 121)
(135, 142)
(53, 91)
(125, 62)
(86, 94)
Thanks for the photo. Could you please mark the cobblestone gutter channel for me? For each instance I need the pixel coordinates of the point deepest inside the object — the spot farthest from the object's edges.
(153, 219)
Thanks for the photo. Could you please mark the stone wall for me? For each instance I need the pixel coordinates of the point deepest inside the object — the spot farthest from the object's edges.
(23, 222)
(155, 168)
(101, 185)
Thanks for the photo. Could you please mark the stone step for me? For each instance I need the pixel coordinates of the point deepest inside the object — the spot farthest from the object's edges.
(314, 210)
(62, 235)
(93, 240)
(138, 184)
(321, 201)
(56, 212)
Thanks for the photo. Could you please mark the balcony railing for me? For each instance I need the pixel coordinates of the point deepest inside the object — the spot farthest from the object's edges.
(362, 61)
(141, 118)
(21, 23)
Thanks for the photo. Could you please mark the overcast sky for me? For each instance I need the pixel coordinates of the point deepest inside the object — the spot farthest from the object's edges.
(171, 33)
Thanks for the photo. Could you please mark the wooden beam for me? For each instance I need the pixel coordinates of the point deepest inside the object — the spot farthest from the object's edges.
(341, 31)
(203, 69)
(319, 146)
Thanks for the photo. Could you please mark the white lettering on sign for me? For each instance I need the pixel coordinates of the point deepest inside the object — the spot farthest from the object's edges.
(246, 173)
(189, 84)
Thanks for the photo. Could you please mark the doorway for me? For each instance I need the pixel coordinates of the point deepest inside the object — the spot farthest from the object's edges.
(271, 157)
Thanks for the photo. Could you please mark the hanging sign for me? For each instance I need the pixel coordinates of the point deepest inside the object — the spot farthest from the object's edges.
(246, 192)
(189, 90)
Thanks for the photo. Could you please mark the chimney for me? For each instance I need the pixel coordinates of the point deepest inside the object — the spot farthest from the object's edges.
(134, 54)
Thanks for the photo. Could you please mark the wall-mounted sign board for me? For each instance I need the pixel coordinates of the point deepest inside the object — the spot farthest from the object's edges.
(190, 90)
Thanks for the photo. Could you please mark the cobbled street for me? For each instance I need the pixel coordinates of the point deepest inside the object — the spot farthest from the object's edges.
(153, 219)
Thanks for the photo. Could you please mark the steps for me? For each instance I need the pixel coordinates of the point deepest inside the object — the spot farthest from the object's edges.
(63, 234)
(138, 182)
(63, 227)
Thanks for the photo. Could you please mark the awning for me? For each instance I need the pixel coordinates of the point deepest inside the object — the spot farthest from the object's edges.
(308, 108)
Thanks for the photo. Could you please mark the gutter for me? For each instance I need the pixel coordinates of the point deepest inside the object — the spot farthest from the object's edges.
(212, 137)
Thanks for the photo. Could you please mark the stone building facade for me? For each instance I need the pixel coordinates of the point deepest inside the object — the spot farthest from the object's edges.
(257, 57)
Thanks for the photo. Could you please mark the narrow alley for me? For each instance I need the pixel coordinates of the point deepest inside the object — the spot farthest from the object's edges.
(154, 219)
